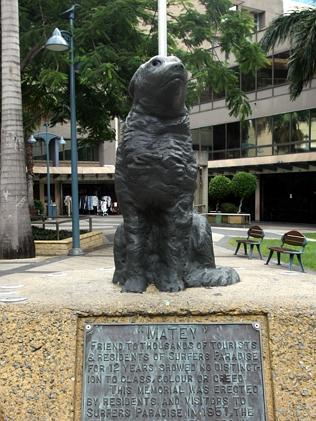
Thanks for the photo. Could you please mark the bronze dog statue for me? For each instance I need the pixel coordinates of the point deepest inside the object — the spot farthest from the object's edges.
(161, 240)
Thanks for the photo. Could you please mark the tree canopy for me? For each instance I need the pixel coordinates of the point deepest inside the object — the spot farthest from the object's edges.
(112, 39)
(299, 28)
(243, 185)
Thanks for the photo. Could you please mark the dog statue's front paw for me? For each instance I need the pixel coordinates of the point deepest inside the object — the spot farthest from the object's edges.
(170, 284)
(118, 277)
(135, 284)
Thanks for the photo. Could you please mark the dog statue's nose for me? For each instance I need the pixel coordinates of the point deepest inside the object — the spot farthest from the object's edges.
(179, 66)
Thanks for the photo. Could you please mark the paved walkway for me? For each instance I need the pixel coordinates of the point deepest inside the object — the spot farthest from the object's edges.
(75, 281)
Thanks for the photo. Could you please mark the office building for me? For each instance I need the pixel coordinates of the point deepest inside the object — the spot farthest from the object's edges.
(277, 142)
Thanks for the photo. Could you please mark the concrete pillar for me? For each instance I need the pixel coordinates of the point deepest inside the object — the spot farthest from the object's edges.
(107, 152)
(42, 190)
(257, 200)
(58, 198)
(201, 193)
(204, 188)
(107, 149)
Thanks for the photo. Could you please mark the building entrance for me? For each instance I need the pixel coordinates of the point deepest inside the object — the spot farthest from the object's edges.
(289, 197)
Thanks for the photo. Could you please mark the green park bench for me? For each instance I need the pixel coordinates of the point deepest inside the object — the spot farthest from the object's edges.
(254, 238)
(297, 241)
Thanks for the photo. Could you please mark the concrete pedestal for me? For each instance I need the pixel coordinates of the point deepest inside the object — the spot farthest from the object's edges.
(41, 341)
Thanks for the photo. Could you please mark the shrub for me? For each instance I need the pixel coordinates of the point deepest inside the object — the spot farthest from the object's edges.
(38, 205)
(219, 188)
(47, 234)
(228, 207)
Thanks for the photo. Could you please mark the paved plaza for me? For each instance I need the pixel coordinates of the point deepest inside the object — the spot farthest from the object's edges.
(77, 282)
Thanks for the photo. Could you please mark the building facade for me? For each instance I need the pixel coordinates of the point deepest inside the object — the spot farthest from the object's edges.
(278, 142)
(96, 168)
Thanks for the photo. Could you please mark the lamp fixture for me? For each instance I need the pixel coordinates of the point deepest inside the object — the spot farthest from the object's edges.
(57, 42)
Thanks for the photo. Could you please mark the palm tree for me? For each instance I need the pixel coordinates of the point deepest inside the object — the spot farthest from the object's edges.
(298, 27)
(16, 239)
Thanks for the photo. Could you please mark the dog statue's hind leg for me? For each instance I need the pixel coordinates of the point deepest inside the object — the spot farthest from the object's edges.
(202, 269)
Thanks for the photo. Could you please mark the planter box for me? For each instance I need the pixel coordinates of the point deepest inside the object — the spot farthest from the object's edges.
(228, 218)
(88, 241)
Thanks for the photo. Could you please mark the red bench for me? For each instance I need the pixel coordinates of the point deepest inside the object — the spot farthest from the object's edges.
(255, 237)
(291, 238)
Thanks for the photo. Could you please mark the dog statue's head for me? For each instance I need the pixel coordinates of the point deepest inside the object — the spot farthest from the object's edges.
(158, 87)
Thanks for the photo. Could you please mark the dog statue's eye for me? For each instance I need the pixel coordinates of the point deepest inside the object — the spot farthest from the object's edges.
(156, 62)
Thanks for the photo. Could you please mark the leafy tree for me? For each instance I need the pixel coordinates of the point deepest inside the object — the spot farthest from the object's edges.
(16, 239)
(298, 27)
(112, 39)
(243, 185)
(108, 49)
(219, 188)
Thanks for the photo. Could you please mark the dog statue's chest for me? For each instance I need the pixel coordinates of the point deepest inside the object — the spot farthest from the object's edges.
(161, 166)
(158, 156)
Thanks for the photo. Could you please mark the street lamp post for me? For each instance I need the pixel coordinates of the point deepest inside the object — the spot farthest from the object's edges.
(57, 42)
(47, 137)
(49, 213)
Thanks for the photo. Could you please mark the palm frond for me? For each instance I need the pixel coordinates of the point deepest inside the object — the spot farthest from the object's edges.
(285, 27)
(302, 62)
(299, 28)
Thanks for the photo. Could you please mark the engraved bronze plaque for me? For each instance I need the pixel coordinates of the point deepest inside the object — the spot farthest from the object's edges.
(189, 372)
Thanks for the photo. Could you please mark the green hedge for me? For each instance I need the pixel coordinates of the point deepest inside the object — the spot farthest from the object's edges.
(47, 234)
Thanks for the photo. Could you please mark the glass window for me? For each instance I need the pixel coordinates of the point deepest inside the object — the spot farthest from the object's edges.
(313, 129)
(264, 136)
(280, 62)
(264, 76)
(248, 138)
(88, 153)
(38, 150)
(206, 138)
(281, 133)
(282, 149)
(206, 96)
(219, 155)
(248, 82)
(264, 131)
(281, 128)
(233, 135)
(300, 126)
(258, 20)
(233, 153)
(65, 152)
(264, 151)
(195, 138)
(219, 137)
(249, 152)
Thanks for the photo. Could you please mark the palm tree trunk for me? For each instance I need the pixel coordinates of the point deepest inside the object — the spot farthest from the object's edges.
(16, 239)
